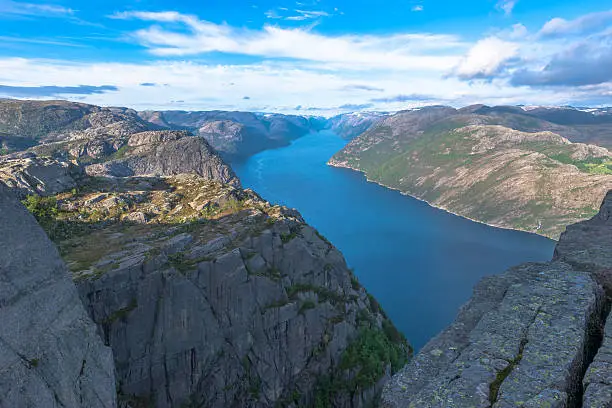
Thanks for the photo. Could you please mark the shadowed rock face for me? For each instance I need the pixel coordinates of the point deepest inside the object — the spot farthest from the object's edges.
(526, 337)
(50, 352)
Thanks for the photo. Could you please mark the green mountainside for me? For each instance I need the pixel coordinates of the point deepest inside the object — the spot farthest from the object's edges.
(507, 170)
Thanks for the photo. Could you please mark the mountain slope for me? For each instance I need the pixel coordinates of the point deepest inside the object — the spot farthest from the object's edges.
(27, 123)
(538, 182)
(236, 135)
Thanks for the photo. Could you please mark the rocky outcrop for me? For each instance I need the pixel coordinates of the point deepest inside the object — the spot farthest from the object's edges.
(586, 245)
(210, 296)
(35, 175)
(165, 153)
(50, 352)
(526, 337)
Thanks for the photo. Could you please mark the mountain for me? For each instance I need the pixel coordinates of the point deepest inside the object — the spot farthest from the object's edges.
(493, 165)
(28, 123)
(350, 125)
(207, 294)
(51, 352)
(538, 335)
(237, 135)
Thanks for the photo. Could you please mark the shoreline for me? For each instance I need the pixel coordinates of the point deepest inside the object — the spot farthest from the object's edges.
(334, 163)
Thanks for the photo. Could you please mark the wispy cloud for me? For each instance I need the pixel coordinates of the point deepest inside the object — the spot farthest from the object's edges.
(507, 6)
(405, 98)
(358, 87)
(10, 7)
(396, 51)
(588, 23)
(418, 8)
(52, 90)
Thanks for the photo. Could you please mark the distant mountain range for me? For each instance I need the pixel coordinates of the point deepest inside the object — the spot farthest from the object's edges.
(514, 167)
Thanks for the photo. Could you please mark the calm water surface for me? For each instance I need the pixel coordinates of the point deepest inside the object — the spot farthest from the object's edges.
(421, 263)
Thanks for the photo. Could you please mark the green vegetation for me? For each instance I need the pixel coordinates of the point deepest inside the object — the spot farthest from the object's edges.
(323, 294)
(121, 313)
(363, 363)
(306, 305)
(503, 374)
(594, 165)
(285, 238)
(370, 354)
(43, 208)
(183, 264)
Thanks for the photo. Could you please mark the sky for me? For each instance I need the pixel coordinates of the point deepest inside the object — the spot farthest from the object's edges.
(307, 56)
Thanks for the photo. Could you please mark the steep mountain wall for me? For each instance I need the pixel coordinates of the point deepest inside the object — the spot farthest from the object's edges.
(50, 352)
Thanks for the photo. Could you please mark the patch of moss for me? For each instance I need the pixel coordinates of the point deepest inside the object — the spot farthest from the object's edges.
(121, 313)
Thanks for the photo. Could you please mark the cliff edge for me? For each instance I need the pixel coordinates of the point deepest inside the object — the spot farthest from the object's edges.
(533, 336)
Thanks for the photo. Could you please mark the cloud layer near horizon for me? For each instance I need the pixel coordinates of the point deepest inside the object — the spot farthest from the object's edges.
(562, 61)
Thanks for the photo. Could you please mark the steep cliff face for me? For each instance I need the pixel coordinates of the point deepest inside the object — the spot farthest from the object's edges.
(210, 296)
(527, 337)
(50, 352)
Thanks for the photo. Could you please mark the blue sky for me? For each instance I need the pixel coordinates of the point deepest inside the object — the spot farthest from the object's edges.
(315, 56)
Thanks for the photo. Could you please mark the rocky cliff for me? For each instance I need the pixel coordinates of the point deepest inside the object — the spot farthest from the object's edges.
(207, 294)
(51, 354)
(533, 336)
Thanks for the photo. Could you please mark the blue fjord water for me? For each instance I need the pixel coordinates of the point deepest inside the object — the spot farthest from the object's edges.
(419, 262)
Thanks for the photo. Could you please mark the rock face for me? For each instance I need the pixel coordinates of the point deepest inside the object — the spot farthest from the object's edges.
(42, 176)
(526, 338)
(499, 167)
(166, 153)
(210, 296)
(50, 352)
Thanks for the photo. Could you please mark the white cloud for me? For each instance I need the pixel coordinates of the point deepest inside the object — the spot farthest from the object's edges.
(273, 87)
(486, 58)
(584, 24)
(397, 51)
(33, 9)
(506, 6)
(418, 8)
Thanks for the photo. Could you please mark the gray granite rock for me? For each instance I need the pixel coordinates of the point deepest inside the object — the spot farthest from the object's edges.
(35, 175)
(522, 339)
(166, 153)
(598, 379)
(51, 354)
(253, 323)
